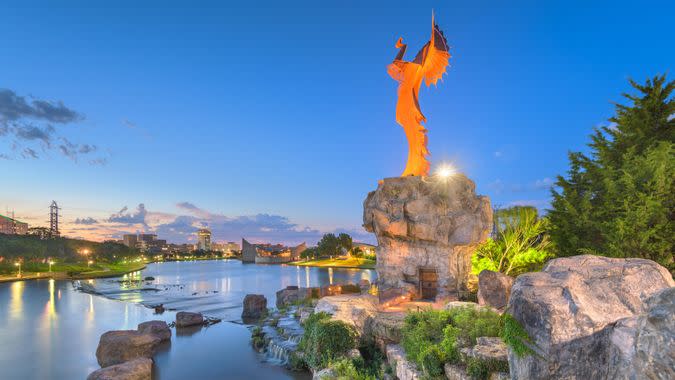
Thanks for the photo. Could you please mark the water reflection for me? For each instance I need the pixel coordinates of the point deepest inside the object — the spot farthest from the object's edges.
(51, 331)
(16, 305)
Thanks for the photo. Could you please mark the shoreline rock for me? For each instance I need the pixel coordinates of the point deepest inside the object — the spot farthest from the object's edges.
(119, 346)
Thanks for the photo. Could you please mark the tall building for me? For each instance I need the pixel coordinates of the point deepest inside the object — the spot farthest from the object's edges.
(204, 239)
(130, 240)
(11, 226)
(54, 220)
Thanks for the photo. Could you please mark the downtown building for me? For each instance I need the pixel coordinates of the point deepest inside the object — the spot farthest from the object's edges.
(11, 226)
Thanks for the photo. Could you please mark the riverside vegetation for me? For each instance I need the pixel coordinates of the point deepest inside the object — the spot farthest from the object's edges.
(432, 338)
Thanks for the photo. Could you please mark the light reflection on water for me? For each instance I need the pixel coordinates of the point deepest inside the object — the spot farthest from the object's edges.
(48, 330)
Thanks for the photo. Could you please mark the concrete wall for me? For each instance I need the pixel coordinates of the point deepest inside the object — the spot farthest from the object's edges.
(248, 252)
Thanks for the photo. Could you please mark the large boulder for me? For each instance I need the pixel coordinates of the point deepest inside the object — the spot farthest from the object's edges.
(354, 309)
(426, 223)
(643, 347)
(157, 328)
(384, 328)
(187, 318)
(494, 289)
(255, 306)
(119, 346)
(570, 308)
(137, 369)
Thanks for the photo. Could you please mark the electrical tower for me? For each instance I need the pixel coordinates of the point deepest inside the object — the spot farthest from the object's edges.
(54, 219)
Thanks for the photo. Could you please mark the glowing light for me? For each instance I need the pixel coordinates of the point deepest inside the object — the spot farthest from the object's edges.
(445, 171)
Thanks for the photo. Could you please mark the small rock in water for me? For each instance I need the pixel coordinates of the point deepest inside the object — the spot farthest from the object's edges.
(255, 306)
(137, 369)
(159, 309)
(186, 318)
(149, 278)
(158, 328)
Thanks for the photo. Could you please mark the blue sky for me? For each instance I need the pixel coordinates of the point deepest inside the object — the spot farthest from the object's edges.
(273, 122)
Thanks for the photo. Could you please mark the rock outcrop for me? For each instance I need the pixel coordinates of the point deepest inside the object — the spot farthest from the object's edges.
(643, 347)
(137, 369)
(354, 309)
(116, 347)
(255, 306)
(158, 328)
(487, 349)
(187, 318)
(494, 289)
(426, 223)
(403, 368)
(570, 310)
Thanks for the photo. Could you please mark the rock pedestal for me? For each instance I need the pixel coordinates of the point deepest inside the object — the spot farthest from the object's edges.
(426, 229)
(587, 316)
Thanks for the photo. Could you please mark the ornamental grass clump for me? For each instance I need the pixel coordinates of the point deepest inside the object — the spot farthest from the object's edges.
(520, 243)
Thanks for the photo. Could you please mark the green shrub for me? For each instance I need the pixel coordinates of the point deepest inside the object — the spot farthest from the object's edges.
(347, 369)
(434, 337)
(325, 340)
(432, 359)
(481, 369)
(257, 338)
(296, 362)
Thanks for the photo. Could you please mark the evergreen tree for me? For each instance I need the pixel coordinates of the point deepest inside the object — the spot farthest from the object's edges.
(619, 200)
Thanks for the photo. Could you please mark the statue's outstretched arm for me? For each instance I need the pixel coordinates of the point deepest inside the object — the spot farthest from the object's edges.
(402, 48)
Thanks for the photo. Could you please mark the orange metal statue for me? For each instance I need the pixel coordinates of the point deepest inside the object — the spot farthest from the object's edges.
(429, 64)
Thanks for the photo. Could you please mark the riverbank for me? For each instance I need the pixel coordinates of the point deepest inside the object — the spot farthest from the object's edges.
(351, 262)
(101, 271)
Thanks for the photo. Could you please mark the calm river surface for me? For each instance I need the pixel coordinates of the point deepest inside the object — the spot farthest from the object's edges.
(50, 330)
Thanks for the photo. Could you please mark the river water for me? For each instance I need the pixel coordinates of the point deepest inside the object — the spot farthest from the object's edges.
(50, 330)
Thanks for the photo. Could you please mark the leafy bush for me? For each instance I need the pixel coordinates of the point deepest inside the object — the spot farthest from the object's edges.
(348, 369)
(257, 338)
(433, 337)
(325, 340)
(520, 243)
(481, 369)
(431, 360)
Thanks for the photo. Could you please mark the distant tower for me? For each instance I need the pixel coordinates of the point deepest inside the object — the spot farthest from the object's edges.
(54, 219)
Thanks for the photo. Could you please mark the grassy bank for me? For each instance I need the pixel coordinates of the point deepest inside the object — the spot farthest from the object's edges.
(72, 271)
(352, 262)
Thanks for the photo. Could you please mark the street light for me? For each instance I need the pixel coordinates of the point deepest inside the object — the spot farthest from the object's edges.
(89, 263)
(18, 265)
(50, 266)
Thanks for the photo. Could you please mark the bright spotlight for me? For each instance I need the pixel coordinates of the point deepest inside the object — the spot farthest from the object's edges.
(445, 171)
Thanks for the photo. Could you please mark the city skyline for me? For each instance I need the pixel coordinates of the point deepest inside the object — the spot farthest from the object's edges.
(244, 120)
